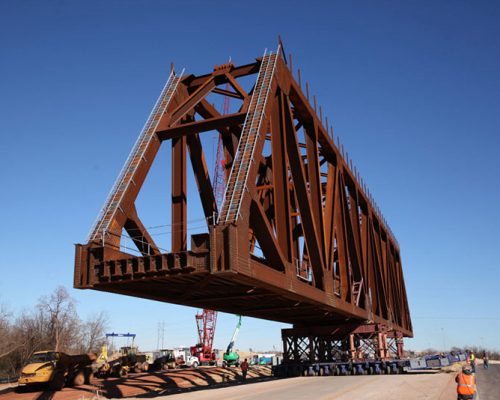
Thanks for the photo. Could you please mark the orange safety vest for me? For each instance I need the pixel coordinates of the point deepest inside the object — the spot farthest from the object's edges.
(466, 384)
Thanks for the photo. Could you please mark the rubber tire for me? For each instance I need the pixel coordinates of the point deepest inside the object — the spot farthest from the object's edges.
(145, 366)
(78, 379)
(122, 373)
(57, 383)
(195, 365)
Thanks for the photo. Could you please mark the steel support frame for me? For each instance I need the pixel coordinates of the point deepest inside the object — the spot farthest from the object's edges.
(341, 343)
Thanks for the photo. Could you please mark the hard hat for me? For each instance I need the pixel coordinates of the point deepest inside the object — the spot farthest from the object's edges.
(466, 369)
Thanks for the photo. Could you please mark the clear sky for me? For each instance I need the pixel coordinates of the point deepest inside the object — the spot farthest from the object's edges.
(412, 88)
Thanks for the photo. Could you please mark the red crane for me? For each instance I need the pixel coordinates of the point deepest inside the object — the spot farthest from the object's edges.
(205, 321)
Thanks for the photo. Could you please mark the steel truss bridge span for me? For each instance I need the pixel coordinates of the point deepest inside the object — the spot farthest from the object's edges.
(297, 239)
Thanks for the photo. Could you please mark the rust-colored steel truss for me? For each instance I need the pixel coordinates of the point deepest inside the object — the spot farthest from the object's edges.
(297, 239)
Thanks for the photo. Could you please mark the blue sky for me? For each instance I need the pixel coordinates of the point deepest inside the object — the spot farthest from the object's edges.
(412, 88)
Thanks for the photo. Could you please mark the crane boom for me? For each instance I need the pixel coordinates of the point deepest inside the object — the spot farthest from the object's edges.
(205, 322)
(234, 337)
(220, 167)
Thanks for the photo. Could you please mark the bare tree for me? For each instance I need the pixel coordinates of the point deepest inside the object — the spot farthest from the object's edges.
(94, 332)
(62, 324)
(53, 324)
(8, 342)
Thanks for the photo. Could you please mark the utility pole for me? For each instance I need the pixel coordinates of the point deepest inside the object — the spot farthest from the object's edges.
(160, 336)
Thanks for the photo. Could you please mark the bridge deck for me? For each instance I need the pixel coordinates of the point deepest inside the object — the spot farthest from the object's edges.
(253, 289)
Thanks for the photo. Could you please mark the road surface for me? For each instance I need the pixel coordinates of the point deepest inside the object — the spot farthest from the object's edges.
(488, 382)
(382, 387)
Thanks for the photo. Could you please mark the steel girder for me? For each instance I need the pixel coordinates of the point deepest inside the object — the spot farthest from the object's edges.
(308, 247)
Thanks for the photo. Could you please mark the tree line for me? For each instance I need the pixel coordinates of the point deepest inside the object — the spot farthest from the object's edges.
(477, 350)
(53, 324)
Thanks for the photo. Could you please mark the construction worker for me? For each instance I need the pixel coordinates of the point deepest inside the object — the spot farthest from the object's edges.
(472, 361)
(244, 369)
(466, 384)
(486, 361)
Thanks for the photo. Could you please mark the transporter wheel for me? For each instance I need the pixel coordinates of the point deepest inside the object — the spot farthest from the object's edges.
(145, 366)
(122, 372)
(57, 383)
(137, 367)
(79, 379)
(88, 375)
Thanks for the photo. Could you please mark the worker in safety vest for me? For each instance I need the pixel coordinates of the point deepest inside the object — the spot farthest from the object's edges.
(472, 361)
(466, 384)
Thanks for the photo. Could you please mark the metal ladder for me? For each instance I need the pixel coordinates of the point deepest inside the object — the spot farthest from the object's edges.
(236, 184)
(356, 291)
(115, 196)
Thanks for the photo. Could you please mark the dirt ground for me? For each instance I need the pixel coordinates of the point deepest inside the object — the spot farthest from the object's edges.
(150, 384)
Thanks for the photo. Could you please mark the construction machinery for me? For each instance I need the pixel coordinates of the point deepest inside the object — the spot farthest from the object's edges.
(184, 358)
(230, 357)
(120, 363)
(164, 359)
(56, 369)
(123, 361)
(205, 322)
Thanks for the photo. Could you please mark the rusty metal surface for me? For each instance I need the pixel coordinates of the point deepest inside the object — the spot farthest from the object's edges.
(308, 246)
